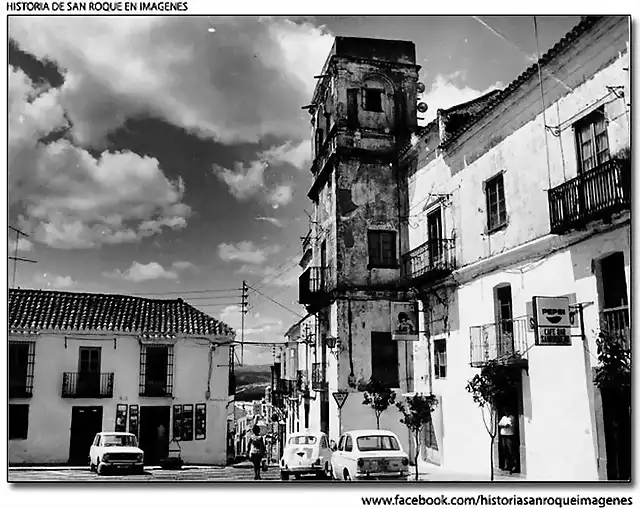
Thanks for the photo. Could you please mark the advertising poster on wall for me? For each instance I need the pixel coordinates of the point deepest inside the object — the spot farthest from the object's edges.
(404, 321)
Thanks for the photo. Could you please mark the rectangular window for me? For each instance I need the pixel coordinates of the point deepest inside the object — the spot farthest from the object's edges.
(133, 419)
(496, 209)
(201, 421)
(319, 140)
(373, 99)
(21, 363)
(18, 421)
(592, 141)
(352, 108)
(121, 418)
(382, 249)
(384, 359)
(156, 370)
(440, 358)
(177, 422)
(187, 423)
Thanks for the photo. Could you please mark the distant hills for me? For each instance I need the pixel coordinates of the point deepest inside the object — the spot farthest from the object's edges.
(251, 380)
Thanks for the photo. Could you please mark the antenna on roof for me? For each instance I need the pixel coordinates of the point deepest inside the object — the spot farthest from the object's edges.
(15, 254)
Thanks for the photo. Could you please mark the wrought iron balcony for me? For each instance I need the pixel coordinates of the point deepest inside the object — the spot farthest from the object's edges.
(315, 285)
(432, 260)
(616, 322)
(318, 376)
(505, 342)
(155, 389)
(91, 386)
(594, 194)
(21, 387)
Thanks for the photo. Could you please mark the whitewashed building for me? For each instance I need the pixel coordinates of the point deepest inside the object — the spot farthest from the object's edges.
(81, 363)
(525, 192)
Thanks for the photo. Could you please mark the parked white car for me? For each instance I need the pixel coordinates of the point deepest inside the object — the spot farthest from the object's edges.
(306, 453)
(369, 455)
(115, 450)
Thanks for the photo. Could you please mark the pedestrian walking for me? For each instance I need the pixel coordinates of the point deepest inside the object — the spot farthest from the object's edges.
(507, 426)
(257, 450)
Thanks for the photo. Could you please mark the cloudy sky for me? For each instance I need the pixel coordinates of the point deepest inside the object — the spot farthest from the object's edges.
(169, 156)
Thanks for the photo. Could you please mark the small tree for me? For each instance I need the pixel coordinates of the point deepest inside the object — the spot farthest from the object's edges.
(614, 371)
(379, 396)
(490, 390)
(416, 413)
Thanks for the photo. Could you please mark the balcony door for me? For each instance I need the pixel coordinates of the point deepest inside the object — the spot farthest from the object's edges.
(434, 234)
(504, 320)
(614, 300)
(89, 372)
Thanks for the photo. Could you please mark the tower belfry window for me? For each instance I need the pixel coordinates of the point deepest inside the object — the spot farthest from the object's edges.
(373, 99)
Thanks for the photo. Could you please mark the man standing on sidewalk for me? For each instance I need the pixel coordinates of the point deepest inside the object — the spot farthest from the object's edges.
(507, 433)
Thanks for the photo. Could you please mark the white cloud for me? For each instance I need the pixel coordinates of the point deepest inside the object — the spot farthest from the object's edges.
(253, 74)
(245, 252)
(183, 265)
(444, 93)
(139, 272)
(68, 197)
(298, 155)
(246, 181)
(255, 323)
(272, 220)
(23, 245)
(281, 194)
(53, 281)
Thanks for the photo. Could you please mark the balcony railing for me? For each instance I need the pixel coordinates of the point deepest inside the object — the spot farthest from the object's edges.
(318, 376)
(431, 260)
(594, 194)
(505, 341)
(20, 388)
(93, 386)
(315, 284)
(156, 389)
(616, 322)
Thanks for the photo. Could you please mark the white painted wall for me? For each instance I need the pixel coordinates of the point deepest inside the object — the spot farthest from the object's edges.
(50, 414)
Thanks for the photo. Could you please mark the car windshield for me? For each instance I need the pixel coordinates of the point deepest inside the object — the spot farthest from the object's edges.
(298, 440)
(123, 440)
(375, 443)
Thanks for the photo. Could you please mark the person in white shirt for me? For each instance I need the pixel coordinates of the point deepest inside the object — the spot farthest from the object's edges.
(507, 425)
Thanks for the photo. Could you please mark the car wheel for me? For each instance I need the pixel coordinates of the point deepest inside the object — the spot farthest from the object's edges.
(284, 476)
(92, 468)
(297, 476)
(326, 473)
(346, 475)
(101, 468)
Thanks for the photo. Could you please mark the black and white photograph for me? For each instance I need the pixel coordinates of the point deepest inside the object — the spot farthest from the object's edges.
(318, 249)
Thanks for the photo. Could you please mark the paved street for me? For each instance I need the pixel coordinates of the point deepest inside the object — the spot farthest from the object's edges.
(203, 474)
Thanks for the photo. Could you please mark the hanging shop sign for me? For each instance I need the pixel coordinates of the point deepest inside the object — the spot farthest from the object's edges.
(552, 320)
(121, 418)
(404, 321)
(340, 398)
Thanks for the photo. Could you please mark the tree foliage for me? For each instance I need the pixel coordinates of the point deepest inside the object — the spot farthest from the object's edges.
(379, 396)
(416, 413)
(614, 371)
(491, 389)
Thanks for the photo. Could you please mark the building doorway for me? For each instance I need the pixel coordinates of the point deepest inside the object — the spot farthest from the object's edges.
(154, 433)
(86, 422)
(513, 403)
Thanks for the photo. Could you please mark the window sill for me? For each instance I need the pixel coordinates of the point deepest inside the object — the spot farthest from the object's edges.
(497, 228)
(383, 267)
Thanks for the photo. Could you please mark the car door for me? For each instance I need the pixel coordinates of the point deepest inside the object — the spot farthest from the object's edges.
(348, 456)
(336, 459)
(93, 451)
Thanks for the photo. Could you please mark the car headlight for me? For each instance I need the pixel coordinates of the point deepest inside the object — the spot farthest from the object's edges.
(405, 461)
(140, 457)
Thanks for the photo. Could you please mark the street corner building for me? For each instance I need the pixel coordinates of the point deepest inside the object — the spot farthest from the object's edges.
(455, 230)
(81, 363)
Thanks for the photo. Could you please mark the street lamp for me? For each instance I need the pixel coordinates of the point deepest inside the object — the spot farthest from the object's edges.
(333, 344)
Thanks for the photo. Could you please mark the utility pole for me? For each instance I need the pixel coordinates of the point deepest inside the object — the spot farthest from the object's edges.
(15, 254)
(243, 309)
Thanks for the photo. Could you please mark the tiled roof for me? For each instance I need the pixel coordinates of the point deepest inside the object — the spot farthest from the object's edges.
(584, 25)
(31, 309)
